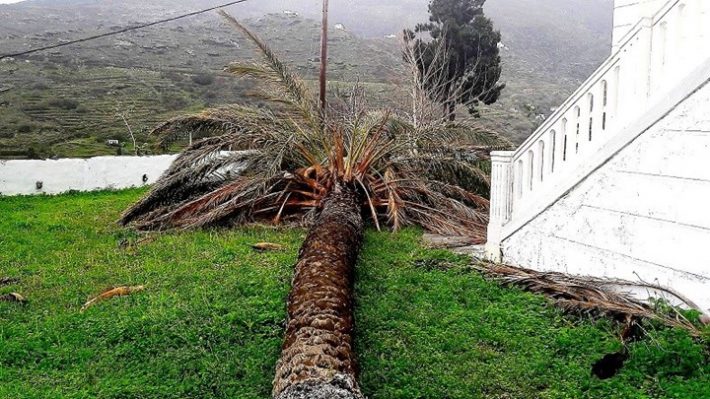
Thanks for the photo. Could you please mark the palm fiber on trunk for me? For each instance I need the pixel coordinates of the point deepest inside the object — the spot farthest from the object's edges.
(317, 359)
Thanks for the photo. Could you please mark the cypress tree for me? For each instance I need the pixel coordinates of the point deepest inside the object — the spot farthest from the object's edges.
(471, 72)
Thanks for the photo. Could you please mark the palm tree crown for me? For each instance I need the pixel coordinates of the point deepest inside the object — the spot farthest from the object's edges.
(258, 164)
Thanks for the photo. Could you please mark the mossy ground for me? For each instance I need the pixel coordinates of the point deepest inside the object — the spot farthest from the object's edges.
(210, 323)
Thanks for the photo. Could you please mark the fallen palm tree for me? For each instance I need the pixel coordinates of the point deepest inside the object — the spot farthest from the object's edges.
(595, 296)
(334, 170)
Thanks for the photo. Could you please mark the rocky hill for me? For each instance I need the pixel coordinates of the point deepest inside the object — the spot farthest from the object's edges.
(69, 101)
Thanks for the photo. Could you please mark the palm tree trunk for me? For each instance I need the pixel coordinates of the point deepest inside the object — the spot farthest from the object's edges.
(317, 358)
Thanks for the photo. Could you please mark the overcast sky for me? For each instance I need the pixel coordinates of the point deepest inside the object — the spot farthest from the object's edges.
(9, 1)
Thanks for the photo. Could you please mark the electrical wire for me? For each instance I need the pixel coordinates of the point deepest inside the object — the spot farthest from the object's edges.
(117, 32)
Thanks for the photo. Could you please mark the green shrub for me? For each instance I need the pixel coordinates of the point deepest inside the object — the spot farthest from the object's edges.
(203, 79)
(63, 103)
(24, 128)
(175, 102)
(38, 151)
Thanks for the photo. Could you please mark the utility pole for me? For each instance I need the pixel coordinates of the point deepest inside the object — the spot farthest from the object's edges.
(324, 57)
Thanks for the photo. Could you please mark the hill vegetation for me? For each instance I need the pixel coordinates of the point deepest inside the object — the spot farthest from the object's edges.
(69, 101)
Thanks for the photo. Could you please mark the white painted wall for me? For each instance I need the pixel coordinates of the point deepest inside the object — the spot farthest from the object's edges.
(57, 176)
(645, 214)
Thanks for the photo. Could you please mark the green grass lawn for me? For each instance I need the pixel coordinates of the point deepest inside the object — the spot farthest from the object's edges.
(210, 323)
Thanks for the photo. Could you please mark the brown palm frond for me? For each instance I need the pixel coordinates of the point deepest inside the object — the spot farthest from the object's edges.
(466, 196)
(441, 214)
(396, 214)
(585, 295)
(237, 202)
(189, 178)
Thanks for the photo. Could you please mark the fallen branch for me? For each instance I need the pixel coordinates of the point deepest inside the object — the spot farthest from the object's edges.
(120, 291)
(267, 246)
(586, 295)
(13, 297)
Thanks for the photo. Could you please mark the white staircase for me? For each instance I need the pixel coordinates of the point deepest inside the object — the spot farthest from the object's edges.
(616, 183)
(655, 64)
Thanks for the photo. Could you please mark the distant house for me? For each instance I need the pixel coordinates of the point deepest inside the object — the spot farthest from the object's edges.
(290, 13)
(113, 143)
(391, 36)
(339, 27)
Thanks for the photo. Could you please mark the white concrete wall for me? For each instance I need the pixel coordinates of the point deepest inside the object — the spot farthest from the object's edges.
(57, 176)
(643, 215)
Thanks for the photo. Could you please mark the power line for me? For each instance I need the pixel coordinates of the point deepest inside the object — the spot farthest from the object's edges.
(124, 30)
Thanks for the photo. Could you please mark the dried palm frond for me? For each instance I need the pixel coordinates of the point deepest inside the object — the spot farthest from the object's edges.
(111, 293)
(267, 246)
(13, 297)
(191, 175)
(586, 295)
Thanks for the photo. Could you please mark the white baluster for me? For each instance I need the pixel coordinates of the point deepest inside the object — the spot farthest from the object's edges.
(530, 170)
(554, 150)
(541, 155)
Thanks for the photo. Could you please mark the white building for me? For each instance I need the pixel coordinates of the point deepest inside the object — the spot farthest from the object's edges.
(616, 183)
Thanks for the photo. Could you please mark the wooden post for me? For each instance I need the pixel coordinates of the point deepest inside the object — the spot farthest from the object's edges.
(324, 57)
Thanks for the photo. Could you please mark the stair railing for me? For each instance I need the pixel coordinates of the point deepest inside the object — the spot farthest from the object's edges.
(649, 60)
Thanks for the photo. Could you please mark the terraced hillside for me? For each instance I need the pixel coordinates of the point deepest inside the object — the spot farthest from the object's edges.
(74, 111)
(69, 101)
(63, 105)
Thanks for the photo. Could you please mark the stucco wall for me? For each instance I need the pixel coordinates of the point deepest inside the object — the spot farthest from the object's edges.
(57, 176)
(645, 214)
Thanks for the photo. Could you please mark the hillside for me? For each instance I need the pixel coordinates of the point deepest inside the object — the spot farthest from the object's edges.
(67, 102)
